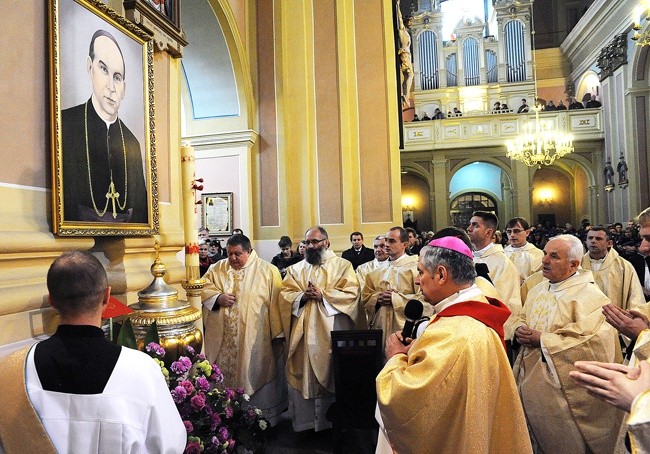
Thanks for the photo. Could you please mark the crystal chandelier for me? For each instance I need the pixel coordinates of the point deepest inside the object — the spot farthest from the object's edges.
(539, 143)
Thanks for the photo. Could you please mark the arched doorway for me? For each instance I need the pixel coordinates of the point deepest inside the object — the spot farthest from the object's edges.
(463, 206)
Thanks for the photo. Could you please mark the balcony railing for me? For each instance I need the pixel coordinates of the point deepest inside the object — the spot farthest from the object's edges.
(482, 129)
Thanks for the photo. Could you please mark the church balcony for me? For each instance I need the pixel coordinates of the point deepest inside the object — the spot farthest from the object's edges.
(484, 129)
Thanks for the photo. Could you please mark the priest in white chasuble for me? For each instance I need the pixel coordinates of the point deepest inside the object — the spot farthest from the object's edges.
(242, 318)
(319, 295)
(501, 270)
(614, 275)
(451, 390)
(388, 289)
(526, 257)
(380, 261)
(561, 323)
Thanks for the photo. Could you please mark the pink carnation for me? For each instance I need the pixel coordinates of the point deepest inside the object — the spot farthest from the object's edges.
(202, 384)
(179, 394)
(188, 426)
(187, 385)
(198, 401)
(193, 447)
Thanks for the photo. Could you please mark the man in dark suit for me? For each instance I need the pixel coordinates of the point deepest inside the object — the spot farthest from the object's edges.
(358, 253)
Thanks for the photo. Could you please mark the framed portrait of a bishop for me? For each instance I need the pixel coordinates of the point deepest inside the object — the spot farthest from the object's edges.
(103, 143)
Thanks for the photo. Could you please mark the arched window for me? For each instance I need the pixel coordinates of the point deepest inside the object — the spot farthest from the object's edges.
(428, 60)
(451, 64)
(491, 64)
(464, 205)
(514, 47)
(471, 61)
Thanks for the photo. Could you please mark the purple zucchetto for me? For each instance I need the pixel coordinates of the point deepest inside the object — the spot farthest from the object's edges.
(453, 244)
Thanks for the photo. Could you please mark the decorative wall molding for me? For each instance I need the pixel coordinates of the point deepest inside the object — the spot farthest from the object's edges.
(612, 56)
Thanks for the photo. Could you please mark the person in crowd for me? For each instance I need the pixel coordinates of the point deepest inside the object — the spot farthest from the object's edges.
(319, 295)
(502, 271)
(286, 257)
(526, 257)
(550, 106)
(358, 253)
(242, 319)
(215, 251)
(204, 234)
(388, 289)
(426, 117)
(204, 256)
(301, 248)
(575, 104)
(415, 117)
(561, 323)
(505, 108)
(524, 107)
(614, 275)
(497, 107)
(413, 247)
(457, 113)
(78, 392)
(591, 102)
(432, 393)
(380, 260)
(561, 105)
(438, 115)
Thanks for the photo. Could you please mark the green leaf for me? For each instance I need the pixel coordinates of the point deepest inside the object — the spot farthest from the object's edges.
(126, 337)
(152, 335)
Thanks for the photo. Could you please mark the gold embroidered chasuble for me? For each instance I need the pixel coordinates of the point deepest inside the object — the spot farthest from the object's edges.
(453, 393)
(365, 269)
(398, 276)
(638, 424)
(562, 416)
(238, 338)
(618, 280)
(309, 359)
(527, 259)
(505, 278)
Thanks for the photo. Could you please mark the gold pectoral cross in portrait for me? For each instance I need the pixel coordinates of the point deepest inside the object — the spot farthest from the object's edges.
(112, 195)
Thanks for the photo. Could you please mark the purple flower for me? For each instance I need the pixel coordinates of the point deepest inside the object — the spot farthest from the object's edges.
(239, 391)
(216, 420)
(182, 365)
(231, 445)
(230, 394)
(229, 412)
(202, 384)
(187, 385)
(198, 401)
(193, 447)
(223, 434)
(156, 349)
(179, 394)
(189, 349)
(188, 426)
(215, 441)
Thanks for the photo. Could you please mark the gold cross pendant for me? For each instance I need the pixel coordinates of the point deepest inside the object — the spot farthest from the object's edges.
(112, 194)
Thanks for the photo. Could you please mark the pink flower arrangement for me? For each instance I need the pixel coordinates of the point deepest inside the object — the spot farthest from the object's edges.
(217, 419)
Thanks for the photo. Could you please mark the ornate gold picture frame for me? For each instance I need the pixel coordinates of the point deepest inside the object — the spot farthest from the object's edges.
(103, 134)
(217, 213)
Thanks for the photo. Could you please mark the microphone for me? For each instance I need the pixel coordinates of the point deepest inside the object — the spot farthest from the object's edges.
(412, 311)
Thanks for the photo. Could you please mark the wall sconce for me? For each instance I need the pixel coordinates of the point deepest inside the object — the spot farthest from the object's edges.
(640, 15)
(407, 203)
(545, 196)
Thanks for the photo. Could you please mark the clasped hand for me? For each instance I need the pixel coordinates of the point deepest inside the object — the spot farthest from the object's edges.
(385, 298)
(528, 337)
(226, 299)
(312, 293)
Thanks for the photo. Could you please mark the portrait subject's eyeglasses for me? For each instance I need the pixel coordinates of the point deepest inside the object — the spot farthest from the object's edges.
(515, 231)
(314, 242)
